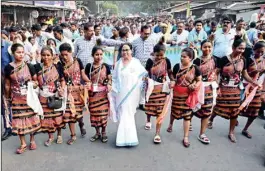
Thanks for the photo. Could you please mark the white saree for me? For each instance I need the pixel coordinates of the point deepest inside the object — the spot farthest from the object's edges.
(126, 89)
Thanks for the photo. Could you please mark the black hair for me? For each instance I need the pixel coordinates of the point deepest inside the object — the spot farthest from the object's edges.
(95, 49)
(58, 29)
(198, 21)
(160, 45)
(252, 25)
(64, 25)
(237, 41)
(29, 38)
(65, 47)
(258, 45)
(87, 25)
(15, 46)
(145, 27)
(205, 41)
(128, 44)
(190, 52)
(49, 29)
(43, 24)
(13, 29)
(240, 21)
(123, 32)
(23, 28)
(226, 18)
(95, 26)
(213, 23)
(36, 27)
(46, 48)
(51, 39)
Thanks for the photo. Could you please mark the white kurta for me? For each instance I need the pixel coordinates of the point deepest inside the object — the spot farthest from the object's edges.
(127, 84)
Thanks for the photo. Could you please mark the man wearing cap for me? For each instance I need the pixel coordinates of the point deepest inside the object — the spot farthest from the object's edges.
(223, 39)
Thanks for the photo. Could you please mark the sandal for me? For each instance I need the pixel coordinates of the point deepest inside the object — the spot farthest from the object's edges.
(169, 129)
(72, 140)
(247, 134)
(186, 143)
(237, 123)
(49, 142)
(95, 138)
(32, 146)
(203, 138)
(59, 139)
(191, 129)
(21, 149)
(157, 139)
(232, 138)
(148, 126)
(210, 125)
(104, 138)
(83, 132)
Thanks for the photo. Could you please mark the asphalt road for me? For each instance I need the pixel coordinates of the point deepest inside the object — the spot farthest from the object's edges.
(170, 155)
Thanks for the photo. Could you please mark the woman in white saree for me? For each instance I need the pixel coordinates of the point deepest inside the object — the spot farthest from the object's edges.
(125, 96)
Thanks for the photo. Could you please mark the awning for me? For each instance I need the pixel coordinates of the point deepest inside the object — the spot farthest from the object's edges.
(17, 4)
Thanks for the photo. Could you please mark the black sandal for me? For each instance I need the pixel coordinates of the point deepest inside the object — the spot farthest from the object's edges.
(72, 140)
(83, 132)
(232, 138)
(247, 134)
(104, 138)
(95, 138)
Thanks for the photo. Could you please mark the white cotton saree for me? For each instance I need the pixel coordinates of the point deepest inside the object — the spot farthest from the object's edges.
(127, 83)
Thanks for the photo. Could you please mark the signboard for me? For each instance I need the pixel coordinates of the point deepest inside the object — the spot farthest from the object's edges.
(70, 4)
(50, 3)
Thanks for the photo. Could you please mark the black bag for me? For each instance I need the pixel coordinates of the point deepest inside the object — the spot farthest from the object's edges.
(54, 102)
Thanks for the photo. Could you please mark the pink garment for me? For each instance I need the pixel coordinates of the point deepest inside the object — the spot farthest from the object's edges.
(195, 97)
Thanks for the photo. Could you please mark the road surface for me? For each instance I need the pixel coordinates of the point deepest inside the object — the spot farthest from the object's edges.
(170, 155)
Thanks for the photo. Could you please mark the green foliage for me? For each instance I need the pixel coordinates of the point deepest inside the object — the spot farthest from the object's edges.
(111, 6)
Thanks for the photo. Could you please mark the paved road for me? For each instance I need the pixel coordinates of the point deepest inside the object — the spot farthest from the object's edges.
(220, 155)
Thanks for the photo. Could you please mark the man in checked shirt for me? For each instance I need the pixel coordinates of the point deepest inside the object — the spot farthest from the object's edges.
(83, 46)
(142, 49)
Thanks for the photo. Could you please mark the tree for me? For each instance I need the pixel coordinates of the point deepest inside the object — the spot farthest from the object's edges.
(110, 6)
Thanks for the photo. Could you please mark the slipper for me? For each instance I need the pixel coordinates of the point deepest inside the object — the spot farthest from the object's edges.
(21, 149)
(148, 126)
(104, 138)
(48, 142)
(203, 138)
(59, 139)
(232, 138)
(247, 134)
(169, 129)
(95, 138)
(185, 143)
(157, 139)
(71, 140)
(33, 146)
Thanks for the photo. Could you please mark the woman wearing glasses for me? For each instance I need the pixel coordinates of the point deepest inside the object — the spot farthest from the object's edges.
(126, 89)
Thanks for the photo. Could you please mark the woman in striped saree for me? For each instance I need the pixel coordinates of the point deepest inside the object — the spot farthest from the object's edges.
(159, 69)
(74, 73)
(17, 76)
(187, 82)
(209, 71)
(232, 68)
(256, 70)
(51, 81)
(99, 74)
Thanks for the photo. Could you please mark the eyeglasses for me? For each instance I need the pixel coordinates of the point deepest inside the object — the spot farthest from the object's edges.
(126, 50)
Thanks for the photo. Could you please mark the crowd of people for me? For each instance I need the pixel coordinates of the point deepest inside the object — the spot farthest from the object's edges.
(52, 74)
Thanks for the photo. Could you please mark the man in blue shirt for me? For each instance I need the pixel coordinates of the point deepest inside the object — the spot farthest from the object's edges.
(6, 58)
